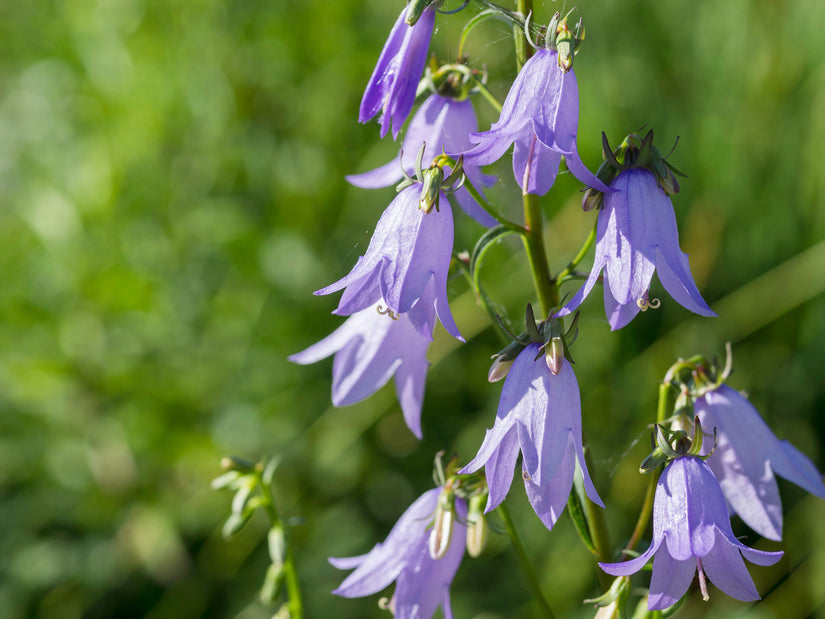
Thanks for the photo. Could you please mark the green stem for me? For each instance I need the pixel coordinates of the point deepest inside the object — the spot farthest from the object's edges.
(523, 49)
(537, 255)
(485, 92)
(476, 195)
(293, 588)
(525, 562)
(598, 530)
(664, 405)
(566, 272)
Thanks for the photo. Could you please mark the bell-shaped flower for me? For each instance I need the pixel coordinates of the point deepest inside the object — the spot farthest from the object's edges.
(422, 583)
(691, 531)
(746, 458)
(541, 116)
(373, 345)
(410, 250)
(443, 124)
(636, 235)
(539, 415)
(394, 81)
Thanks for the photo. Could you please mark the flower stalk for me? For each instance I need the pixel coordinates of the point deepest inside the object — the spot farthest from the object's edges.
(518, 546)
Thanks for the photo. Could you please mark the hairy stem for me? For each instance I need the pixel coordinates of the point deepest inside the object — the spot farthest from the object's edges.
(537, 254)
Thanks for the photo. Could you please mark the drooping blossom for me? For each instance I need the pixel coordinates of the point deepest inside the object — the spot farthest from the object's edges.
(444, 124)
(391, 89)
(374, 345)
(409, 251)
(541, 116)
(421, 582)
(691, 531)
(636, 235)
(746, 458)
(539, 415)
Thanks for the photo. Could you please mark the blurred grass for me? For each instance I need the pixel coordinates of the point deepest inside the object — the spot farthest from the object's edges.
(171, 181)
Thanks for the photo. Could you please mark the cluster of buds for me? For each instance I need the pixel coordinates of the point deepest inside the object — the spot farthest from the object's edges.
(471, 489)
(553, 341)
(559, 37)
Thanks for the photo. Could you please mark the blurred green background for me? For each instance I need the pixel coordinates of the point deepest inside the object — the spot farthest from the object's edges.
(172, 191)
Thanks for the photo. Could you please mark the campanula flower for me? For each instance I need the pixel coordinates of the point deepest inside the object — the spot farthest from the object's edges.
(443, 124)
(541, 116)
(691, 531)
(539, 414)
(636, 234)
(422, 583)
(410, 250)
(392, 86)
(747, 457)
(373, 345)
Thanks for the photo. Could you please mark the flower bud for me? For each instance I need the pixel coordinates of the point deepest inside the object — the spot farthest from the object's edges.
(478, 531)
(442, 530)
(273, 583)
(554, 355)
(430, 188)
(499, 369)
(592, 200)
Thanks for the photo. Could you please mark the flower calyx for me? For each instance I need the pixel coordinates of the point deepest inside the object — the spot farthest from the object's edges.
(415, 8)
(471, 488)
(633, 152)
(551, 336)
(672, 444)
(433, 180)
(559, 37)
(453, 80)
(612, 603)
(696, 376)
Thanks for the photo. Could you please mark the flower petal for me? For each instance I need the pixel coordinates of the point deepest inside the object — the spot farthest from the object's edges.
(670, 581)
(726, 569)
(550, 498)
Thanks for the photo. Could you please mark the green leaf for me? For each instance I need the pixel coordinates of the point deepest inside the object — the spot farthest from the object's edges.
(575, 507)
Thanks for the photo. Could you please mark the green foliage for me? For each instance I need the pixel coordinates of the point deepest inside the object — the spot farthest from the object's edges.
(171, 192)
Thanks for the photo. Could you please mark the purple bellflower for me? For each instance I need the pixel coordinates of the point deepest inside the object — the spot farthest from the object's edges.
(394, 81)
(746, 458)
(370, 348)
(539, 414)
(409, 255)
(443, 124)
(421, 582)
(541, 116)
(636, 235)
(691, 531)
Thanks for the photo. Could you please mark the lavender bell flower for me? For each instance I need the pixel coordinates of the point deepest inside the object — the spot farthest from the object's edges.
(636, 234)
(410, 252)
(392, 86)
(444, 125)
(747, 457)
(422, 583)
(370, 348)
(541, 115)
(691, 531)
(539, 414)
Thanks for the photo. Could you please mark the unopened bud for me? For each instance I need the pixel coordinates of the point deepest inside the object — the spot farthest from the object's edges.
(430, 188)
(554, 355)
(234, 463)
(592, 200)
(499, 369)
(273, 582)
(442, 530)
(478, 531)
(669, 183)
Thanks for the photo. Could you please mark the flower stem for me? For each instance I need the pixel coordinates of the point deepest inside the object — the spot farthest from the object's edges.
(476, 195)
(490, 97)
(664, 405)
(598, 529)
(566, 272)
(523, 49)
(537, 255)
(293, 588)
(525, 562)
